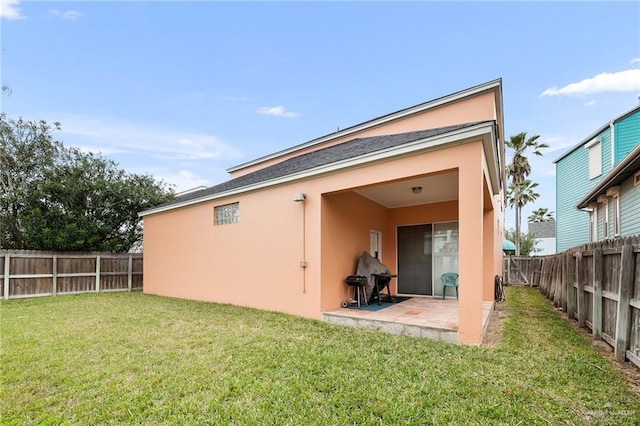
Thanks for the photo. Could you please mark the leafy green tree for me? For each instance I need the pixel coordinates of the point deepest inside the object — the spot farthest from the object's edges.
(521, 190)
(541, 214)
(58, 198)
(27, 151)
(527, 241)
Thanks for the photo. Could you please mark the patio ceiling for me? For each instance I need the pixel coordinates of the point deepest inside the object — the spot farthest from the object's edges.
(435, 188)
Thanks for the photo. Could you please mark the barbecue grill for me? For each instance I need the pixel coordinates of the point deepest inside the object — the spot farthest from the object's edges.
(357, 283)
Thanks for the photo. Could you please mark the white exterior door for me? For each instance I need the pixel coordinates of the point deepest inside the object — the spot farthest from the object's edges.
(375, 243)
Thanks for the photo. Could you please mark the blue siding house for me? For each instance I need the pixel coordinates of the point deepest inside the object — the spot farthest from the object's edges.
(598, 185)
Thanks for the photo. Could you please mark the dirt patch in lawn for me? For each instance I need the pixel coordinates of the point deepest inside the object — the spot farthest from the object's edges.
(630, 371)
(494, 329)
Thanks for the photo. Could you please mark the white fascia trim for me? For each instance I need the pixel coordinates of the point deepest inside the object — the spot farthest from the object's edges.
(484, 131)
(374, 122)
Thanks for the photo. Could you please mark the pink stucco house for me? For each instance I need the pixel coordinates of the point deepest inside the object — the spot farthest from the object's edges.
(286, 229)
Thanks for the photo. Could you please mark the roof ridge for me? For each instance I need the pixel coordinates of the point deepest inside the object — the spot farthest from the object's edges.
(371, 122)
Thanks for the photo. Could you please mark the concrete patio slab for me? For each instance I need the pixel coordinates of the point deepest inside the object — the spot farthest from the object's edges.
(427, 317)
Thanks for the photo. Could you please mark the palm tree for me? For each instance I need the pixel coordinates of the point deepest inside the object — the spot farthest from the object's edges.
(541, 215)
(520, 191)
(520, 195)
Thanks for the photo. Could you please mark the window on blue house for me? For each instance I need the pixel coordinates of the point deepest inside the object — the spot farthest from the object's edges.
(595, 158)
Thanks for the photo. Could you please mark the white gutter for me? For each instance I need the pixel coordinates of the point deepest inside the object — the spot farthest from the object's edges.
(480, 131)
(612, 132)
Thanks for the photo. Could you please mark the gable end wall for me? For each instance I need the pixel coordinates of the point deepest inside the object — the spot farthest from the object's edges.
(572, 183)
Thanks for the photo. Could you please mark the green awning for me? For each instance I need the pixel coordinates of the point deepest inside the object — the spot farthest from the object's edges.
(508, 246)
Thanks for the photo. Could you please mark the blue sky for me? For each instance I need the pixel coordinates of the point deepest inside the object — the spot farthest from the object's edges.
(185, 90)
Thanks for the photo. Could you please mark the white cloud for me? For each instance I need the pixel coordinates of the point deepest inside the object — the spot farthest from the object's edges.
(184, 180)
(9, 9)
(622, 81)
(69, 15)
(110, 135)
(590, 103)
(277, 111)
(635, 60)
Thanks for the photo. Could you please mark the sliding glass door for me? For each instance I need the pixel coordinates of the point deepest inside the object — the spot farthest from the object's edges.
(425, 252)
(414, 260)
(445, 252)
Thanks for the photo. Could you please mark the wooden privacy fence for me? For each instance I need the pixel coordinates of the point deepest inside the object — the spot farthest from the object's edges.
(522, 270)
(597, 284)
(26, 273)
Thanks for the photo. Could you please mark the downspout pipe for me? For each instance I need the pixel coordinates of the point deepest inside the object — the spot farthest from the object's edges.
(612, 132)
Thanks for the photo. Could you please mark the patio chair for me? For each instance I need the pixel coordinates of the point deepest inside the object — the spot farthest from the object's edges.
(449, 279)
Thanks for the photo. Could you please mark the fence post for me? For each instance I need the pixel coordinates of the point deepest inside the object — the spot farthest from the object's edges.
(7, 258)
(130, 272)
(622, 320)
(597, 293)
(54, 271)
(562, 271)
(545, 278)
(571, 296)
(97, 273)
(557, 269)
(582, 314)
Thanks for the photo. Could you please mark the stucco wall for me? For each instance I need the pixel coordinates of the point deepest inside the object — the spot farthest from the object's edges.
(347, 219)
(257, 262)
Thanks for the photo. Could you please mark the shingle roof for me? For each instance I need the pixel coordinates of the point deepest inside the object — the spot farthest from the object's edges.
(543, 229)
(343, 151)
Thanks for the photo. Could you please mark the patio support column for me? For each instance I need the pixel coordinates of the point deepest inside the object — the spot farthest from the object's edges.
(471, 258)
(488, 249)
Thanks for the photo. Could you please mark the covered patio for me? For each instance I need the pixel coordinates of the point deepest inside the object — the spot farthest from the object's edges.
(427, 317)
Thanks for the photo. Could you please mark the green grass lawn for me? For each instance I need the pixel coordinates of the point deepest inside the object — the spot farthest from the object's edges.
(125, 358)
